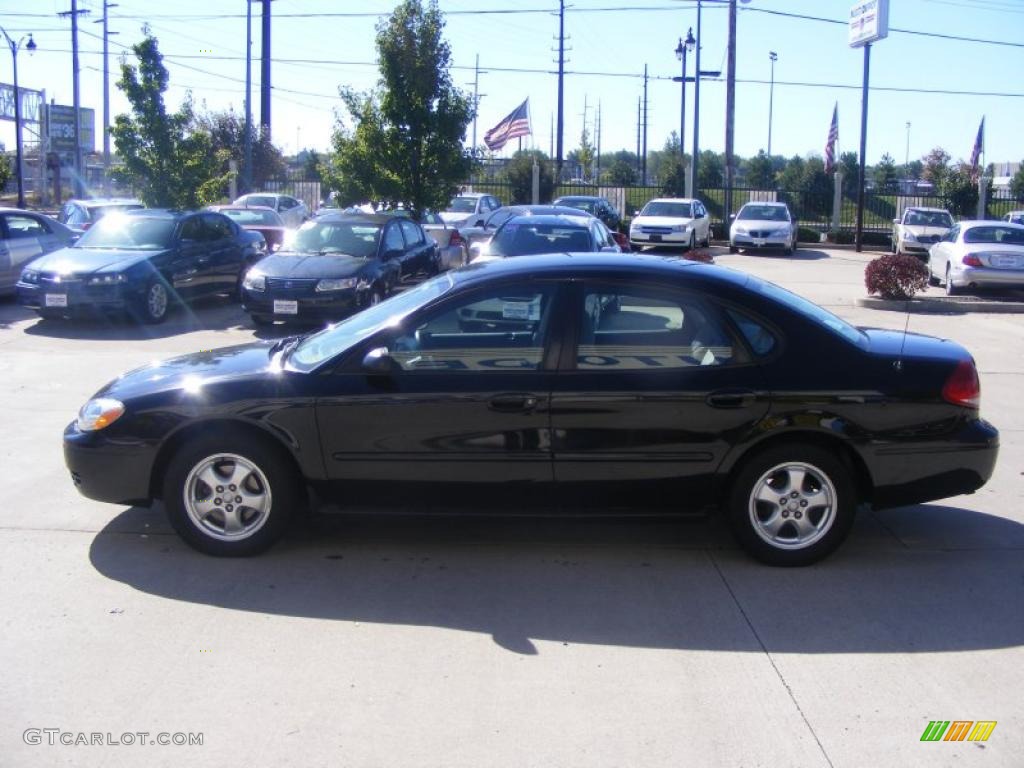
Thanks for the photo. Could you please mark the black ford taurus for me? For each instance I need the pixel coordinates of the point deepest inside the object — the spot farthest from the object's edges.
(336, 265)
(606, 375)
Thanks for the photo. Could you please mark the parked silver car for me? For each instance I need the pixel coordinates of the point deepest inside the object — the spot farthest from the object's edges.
(25, 236)
(452, 247)
(918, 229)
(978, 254)
(760, 225)
(291, 210)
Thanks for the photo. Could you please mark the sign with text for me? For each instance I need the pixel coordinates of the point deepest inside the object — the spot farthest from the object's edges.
(869, 21)
(30, 102)
(62, 129)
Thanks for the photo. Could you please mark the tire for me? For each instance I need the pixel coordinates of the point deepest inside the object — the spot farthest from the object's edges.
(951, 290)
(802, 532)
(261, 320)
(374, 298)
(733, 249)
(795, 245)
(261, 471)
(152, 308)
(706, 243)
(932, 279)
(693, 242)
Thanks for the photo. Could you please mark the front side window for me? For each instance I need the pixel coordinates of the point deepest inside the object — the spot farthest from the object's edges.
(501, 328)
(644, 329)
(19, 226)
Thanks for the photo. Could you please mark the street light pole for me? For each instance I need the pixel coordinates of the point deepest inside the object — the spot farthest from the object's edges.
(682, 49)
(773, 56)
(696, 106)
(15, 47)
(906, 159)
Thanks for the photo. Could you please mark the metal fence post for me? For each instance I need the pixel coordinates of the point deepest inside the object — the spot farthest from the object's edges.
(837, 201)
(536, 183)
(689, 180)
(983, 196)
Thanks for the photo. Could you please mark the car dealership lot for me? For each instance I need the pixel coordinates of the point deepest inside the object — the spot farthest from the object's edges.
(452, 641)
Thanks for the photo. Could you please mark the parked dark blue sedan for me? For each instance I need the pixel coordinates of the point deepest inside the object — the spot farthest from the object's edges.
(336, 265)
(140, 262)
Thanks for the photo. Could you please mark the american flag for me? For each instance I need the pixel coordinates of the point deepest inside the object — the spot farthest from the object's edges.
(833, 137)
(516, 124)
(979, 143)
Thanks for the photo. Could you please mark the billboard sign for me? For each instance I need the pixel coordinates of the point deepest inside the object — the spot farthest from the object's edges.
(62, 129)
(869, 21)
(30, 103)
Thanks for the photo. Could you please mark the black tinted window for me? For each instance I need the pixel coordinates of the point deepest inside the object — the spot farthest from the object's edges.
(522, 237)
(759, 338)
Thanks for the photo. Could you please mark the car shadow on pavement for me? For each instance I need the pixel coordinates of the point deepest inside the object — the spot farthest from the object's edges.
(802, 253)
(639, 582)
(217, 313)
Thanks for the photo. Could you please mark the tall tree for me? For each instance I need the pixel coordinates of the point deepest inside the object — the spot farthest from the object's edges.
(406, 146)
(759, 172)
(710, 170)
(518, 172)
(227, 131)
(936, 166)
(168, 160)
(585, 155)
(885, 172)
(5, 169)
(620, 173)
(1017, 183)
(849, 164)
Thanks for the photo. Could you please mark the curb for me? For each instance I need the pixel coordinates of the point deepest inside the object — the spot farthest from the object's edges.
(944, 305)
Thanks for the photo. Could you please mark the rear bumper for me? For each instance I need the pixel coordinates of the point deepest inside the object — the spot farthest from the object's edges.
(913, 473)
(986, 277)
(106, 470)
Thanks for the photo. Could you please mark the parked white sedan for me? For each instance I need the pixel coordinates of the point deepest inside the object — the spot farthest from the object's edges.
(918, 229)
(671, 221)
(978, 254)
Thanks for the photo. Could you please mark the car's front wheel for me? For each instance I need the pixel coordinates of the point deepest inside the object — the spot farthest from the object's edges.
(792, 504)
(229, 495)
(153, 304)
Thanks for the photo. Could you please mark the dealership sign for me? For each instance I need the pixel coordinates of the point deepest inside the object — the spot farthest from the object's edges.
(62, 129)
(869, 21)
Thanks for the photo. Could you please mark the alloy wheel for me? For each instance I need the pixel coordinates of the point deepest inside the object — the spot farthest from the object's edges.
(227, 497)
(792, 505)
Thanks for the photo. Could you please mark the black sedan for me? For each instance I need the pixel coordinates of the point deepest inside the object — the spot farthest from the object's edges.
(595, 206)
(141, 262)
(542, 233)
(335, 265)
(669, 382)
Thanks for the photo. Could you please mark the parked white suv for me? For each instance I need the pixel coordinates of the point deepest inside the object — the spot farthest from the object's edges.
(671, 221)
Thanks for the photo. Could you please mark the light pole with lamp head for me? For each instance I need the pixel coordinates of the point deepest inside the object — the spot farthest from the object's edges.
(773, 56)
(30, 46)
(681, 50)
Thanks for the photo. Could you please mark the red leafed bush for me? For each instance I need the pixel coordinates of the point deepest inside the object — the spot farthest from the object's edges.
(699, 254)
(896, 277)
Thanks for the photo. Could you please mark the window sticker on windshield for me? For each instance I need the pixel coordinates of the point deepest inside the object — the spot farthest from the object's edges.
(520, 310)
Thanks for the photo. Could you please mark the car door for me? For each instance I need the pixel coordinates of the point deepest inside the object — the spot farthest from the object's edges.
(941, 252)
(420, 248)
(224, 253)
(467, 402)
(652, 394)
(25, 237)
(189, 266)
(703, 222)
(393, 248)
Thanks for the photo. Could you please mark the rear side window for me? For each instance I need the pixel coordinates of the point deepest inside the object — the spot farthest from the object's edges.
(413, 234)
(760, 339)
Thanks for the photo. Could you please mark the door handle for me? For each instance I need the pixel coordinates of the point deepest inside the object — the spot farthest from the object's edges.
(731, 398)
(513, 403)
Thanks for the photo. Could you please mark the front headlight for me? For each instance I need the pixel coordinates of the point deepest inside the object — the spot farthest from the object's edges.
(336, 284)
(99, 413)
(739, 230)
(680, 227)
(908, 235)
(780, 232)
(109, 279)
(29, 276)
(254, 281)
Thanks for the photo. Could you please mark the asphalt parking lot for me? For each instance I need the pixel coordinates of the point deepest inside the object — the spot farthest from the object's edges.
(365, 641)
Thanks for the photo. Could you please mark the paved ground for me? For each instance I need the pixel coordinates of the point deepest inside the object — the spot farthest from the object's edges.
(500, 643)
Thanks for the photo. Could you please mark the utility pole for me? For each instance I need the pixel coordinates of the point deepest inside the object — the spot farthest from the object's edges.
(476, 95)
(643, 165)
(586, 109)
(730, 109)
(247, 139)
(551, 140)
(74, 13)
(773, 57)
(561, 90)
(638, 124)
(265, 72)
(597, 175)
(106, 96)
(906, 158)
(696, 107)
(858, 235)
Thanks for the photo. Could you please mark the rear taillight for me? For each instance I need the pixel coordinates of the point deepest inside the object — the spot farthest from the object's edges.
(962, 387)
(456, 238)
(972, 260)
(86, 225)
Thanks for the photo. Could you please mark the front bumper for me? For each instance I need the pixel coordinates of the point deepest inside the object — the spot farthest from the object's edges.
(330, 305)
(76, 298)
(107, 470)
(749, 241)
(987, 277)
(639, 237)
(920, 471)
(916, 247)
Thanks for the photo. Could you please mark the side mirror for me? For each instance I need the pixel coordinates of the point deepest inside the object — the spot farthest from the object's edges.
(895, 221)
(379, 362)
(732, 215)
(636, 213)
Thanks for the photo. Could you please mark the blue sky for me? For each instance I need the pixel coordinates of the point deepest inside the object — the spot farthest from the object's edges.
(616, 43)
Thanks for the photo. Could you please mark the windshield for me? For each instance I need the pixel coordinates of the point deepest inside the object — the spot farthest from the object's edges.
(97, 212)
(463, 205)
(810, 310)
(332, 341)
(763, 213)
(265, 201)
(675, 210)
(354, 238)
(1000, 235)
(251, 216)
(574, 202)
(116, 230)
(522, 237)
(929, 219)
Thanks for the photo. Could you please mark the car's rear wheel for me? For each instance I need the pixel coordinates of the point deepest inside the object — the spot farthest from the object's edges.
(951, 290)
(230, 495)
(733, 249)
(792, 504)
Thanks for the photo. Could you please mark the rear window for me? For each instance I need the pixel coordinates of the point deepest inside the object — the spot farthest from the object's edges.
(522, 238)
(99, 211)
(1000, 235)
(810, 310)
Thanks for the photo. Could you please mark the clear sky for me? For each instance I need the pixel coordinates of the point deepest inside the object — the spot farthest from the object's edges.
(204, 42)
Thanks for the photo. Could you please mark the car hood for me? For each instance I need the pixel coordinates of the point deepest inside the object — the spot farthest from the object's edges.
(310, 265)
(191, 372)
(918, 230)
(85, 260)
(661, 221)
(900, 344)
(761, 224)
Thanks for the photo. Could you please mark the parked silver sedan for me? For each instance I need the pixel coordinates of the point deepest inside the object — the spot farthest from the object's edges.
(291, 210)
(978, 254)
(452, 247)
(25, 236)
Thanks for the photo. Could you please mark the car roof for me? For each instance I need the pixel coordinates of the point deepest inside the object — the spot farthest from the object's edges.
(971, 224)
(673, 200)
(378, 219)
(923, 208)
(545, 210)
(473, 194)
(219, 208)
(775, 203)
(592, 198)
(563, 219)
(97, 202)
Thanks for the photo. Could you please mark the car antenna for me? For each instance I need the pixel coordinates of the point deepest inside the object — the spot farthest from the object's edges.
(898, 364)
